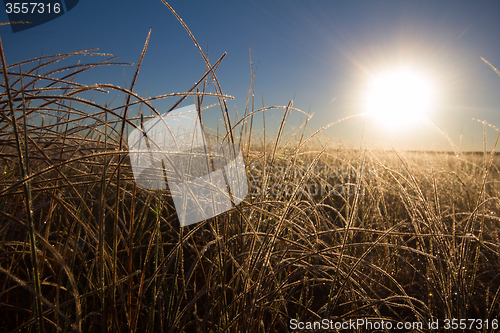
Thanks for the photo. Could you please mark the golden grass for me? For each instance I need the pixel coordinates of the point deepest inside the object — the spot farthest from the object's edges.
(398, 236)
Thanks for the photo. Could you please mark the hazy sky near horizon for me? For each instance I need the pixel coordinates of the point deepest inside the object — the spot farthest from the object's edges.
(320, 53)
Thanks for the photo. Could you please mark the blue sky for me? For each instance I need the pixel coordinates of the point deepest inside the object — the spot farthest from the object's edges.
(317, 51)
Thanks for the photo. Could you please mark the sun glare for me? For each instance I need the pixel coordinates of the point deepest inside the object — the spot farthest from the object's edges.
(399, 98)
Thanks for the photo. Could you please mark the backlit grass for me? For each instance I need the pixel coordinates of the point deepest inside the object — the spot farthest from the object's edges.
(325, 232)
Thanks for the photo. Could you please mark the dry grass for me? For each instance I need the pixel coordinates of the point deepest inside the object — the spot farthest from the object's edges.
(353, 234)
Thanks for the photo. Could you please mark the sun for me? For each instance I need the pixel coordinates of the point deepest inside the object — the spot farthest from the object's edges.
(399, 98)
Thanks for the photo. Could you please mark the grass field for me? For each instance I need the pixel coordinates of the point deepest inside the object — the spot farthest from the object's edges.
(325, 232)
